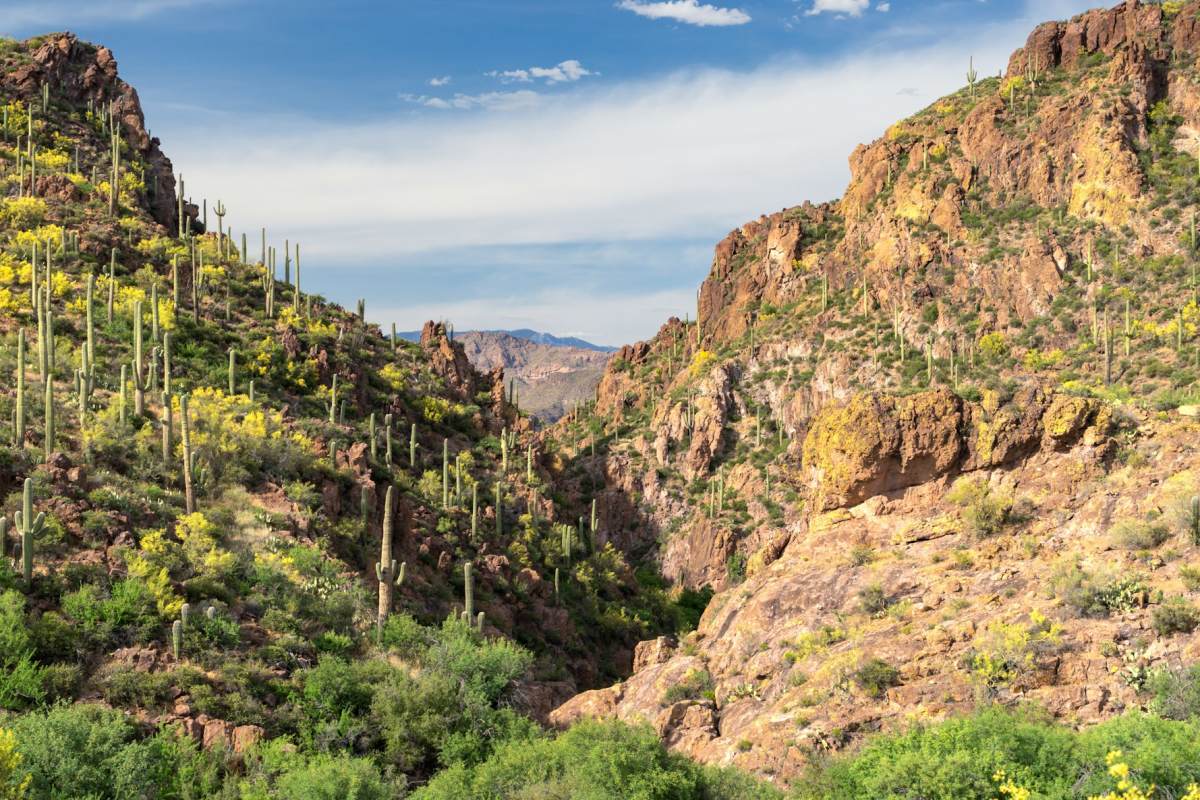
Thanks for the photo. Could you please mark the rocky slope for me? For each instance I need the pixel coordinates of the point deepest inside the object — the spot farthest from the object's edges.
(262, 526)
(548, 380)
(933, 441)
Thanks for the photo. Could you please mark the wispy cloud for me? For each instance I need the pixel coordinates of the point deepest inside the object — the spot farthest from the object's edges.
(853, 8)
(679, 157)
(687, 11)
(24, 16)
(564, 72)
(486, 101)
(439, 81)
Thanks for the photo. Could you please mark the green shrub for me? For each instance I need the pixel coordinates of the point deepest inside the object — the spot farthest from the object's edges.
(592, 761)
(87, 751)
(876, 676)
(1176, 692)
(985, 511)
(1099, 595)
(1191, 577)
(958, 759)
(1175, 616)
(21, 684)
(695, 684)
(283, 773)
(1135, 534)
(873, 599)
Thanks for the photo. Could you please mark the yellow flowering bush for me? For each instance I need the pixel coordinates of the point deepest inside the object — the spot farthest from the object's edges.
(23, 212)
(162, 247)
(12, 784)
(1005, 652)
(394, 376)
(237, 438)
(1127, 788)
(39, 236)
(702, 362)
(194, 551)
(434, 409)
(1042, 359)
(52, 160)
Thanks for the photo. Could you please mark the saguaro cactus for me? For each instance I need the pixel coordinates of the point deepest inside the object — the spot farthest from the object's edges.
(412, 446)
(51, 433)
(19, 423)
(372, 438)
(177, 638)
(189, 496)
(387, 433)
(385, 568)
(468, 592)
(28, 527)
(499, 510)
(333, 403)
(168, 432)
(140, 376)
(445, 473)
(219, 210)
(232, 372)
(474, 511)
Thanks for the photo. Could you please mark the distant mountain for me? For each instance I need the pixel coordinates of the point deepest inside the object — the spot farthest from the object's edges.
(528, 335)
(549, 378)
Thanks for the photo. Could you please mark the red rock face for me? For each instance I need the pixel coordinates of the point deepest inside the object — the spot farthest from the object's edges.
(80, 73)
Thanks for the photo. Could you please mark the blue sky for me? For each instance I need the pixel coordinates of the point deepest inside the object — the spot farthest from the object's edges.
(565, 166)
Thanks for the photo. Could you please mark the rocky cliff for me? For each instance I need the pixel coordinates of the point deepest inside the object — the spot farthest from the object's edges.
(914, 434)
(548, 379)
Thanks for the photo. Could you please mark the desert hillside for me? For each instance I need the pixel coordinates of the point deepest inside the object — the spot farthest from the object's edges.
(909, 507)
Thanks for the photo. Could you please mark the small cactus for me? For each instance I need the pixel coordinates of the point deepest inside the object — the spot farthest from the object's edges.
(185, 613)
(177, 639)
(412, 447)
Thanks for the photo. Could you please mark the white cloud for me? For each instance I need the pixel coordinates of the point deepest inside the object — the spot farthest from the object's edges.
(854, 8)
(883, 7)
(685, 156)
(487, 101)
(439, 81)
(42, 15)
(688, 11)
(564, 72)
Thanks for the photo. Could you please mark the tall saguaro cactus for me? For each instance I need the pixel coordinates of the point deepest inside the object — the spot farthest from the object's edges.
(189, 497)
(51, 440)
(140, 376)
(19, 423)
(28, 527)
(445, 473)
(385, 569)
(468, 593)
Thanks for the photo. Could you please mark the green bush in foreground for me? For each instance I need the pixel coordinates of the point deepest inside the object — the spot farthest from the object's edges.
(958, 759)
(592, 761)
